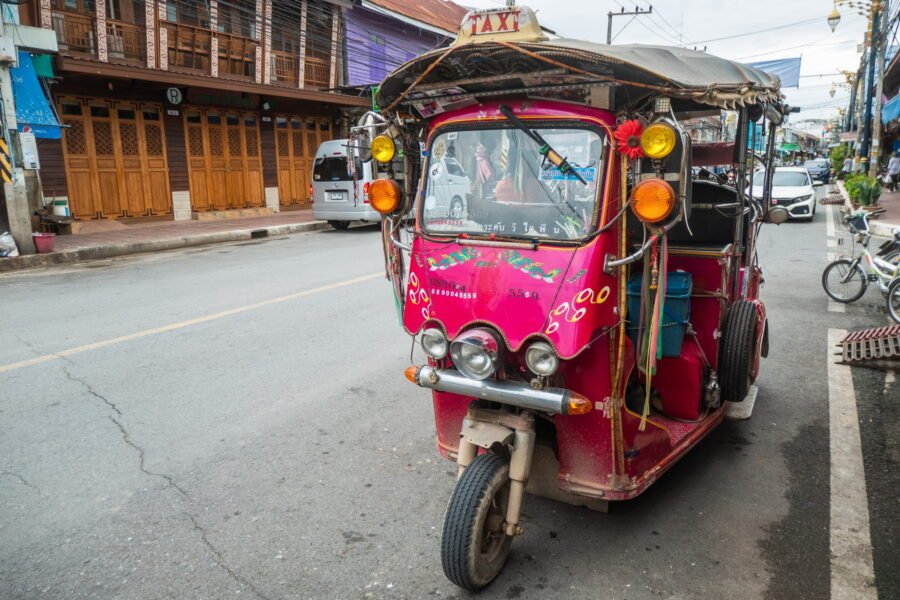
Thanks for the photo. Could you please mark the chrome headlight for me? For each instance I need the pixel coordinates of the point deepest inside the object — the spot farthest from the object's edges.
(434, 343)
(476, 353)
(541, 359)
(802, 198)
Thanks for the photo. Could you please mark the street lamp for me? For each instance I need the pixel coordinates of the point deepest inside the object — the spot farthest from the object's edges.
(834, 17)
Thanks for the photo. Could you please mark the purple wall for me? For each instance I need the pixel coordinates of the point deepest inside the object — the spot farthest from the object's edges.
(376, 45)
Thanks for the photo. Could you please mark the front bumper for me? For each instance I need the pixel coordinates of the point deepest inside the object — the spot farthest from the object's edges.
(801, 209)
(550, 400)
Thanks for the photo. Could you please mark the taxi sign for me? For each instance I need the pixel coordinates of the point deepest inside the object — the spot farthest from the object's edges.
(509, 24)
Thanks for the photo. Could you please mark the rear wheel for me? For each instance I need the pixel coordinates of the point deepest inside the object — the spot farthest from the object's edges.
(339, 224)
(738, 344)
(893, 300)
(474, 545)
(844, 281)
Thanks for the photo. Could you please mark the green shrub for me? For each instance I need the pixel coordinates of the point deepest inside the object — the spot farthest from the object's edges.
(862, 189)
(837, 158)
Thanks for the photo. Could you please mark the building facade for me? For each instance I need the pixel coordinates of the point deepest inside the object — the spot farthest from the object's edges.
(381, 35)
(174, 107)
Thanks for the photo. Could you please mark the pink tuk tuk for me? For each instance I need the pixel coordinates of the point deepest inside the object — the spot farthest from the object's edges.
(585, 307)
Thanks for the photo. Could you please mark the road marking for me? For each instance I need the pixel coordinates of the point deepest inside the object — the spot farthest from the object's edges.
(852, 573)
(835, 307)
(829, 222)
(182, 324)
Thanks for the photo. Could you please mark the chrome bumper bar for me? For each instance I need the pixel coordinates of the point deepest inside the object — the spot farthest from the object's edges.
(551, 400)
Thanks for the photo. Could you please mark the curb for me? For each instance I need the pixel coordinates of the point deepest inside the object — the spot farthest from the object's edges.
(33, 261)
(876, 227)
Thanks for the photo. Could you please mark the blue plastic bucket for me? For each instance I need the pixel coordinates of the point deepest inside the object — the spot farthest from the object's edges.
(677, 310)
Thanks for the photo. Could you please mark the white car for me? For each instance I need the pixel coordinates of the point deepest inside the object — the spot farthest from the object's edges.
(792, 188)
(449, 187)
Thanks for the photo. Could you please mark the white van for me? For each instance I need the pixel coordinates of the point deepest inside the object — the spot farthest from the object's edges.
(335, 198)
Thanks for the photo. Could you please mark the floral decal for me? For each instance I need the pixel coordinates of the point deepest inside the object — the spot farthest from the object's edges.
(628, 139)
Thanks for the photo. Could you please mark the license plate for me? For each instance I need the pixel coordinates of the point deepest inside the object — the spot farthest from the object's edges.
(337, 195)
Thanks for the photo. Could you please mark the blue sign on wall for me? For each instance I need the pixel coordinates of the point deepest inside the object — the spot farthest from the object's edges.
(32, 108)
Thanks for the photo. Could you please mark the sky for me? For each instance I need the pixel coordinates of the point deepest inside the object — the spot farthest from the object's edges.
(776, 28)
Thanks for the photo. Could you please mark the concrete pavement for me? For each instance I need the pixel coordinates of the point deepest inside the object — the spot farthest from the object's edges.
(158, 236)
(235, 423)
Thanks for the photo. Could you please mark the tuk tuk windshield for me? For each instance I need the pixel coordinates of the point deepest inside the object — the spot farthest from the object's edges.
(496, 181)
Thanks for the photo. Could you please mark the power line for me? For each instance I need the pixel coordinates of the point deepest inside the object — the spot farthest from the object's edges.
(737, 35)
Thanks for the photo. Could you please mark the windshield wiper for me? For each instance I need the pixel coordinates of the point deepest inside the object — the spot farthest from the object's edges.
(545, 149)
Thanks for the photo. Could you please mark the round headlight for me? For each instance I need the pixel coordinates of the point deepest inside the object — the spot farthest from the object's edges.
(434, 343)
(476, 353)
(541, 360)
(383, 148)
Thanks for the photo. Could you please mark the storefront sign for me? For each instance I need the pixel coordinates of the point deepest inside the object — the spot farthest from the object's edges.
(174, 96)
(172, 112)
(29, 149)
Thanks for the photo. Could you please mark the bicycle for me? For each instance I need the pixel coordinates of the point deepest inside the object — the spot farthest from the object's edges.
(893, 299)
(846, 281)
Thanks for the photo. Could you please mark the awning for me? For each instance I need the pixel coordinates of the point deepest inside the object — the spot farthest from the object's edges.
(891, 110)
(32, 108)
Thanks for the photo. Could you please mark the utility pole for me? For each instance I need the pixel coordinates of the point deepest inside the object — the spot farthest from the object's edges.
(879, 89)
(635, 13)
(17, 214)
(870, 83)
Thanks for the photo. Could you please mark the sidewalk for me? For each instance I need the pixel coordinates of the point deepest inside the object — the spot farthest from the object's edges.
(163, 235)
(890, 202)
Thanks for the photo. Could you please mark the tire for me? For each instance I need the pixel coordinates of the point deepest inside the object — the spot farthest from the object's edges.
(456, 208)
(893, 300)
(481, 492)
(736, 355)
(850, 291)
(339, 224)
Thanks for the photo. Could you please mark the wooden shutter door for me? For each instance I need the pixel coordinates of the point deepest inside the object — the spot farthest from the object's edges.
(104, 142)
(79, 180)
(254, 177)
(195, 139)
(218, 160)
(158, 198)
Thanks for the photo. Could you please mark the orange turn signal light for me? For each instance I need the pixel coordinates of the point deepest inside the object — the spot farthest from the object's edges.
(411, 372)
(384, 196)
(652, 200)
(578, 404)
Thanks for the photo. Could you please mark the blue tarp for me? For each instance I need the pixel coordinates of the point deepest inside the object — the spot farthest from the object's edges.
(891, 110)
(32, 108)
(786, 69)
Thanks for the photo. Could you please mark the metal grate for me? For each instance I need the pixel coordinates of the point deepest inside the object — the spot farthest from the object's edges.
(832, 200)
(877, 343)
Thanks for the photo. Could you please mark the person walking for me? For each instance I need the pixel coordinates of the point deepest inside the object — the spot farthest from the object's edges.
(893, 171)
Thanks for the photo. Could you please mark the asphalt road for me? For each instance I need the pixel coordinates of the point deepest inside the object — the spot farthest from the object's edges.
(233, 422)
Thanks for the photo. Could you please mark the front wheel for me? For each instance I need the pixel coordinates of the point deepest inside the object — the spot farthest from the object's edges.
(893, 300)
(844, 281)
(474, 545)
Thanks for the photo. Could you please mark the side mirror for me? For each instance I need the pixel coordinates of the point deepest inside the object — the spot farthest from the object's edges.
(818, 183)
(777, 215)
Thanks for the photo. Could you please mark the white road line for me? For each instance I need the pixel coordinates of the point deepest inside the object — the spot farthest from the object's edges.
(852, 573)
(829, 221)
(831, 254)
(182, 324)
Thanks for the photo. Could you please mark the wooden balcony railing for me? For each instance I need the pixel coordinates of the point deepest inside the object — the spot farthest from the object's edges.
(189, 48)
(237, 56)
(318, 73)
(75, 32)
(126, 42)
(285, 68)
